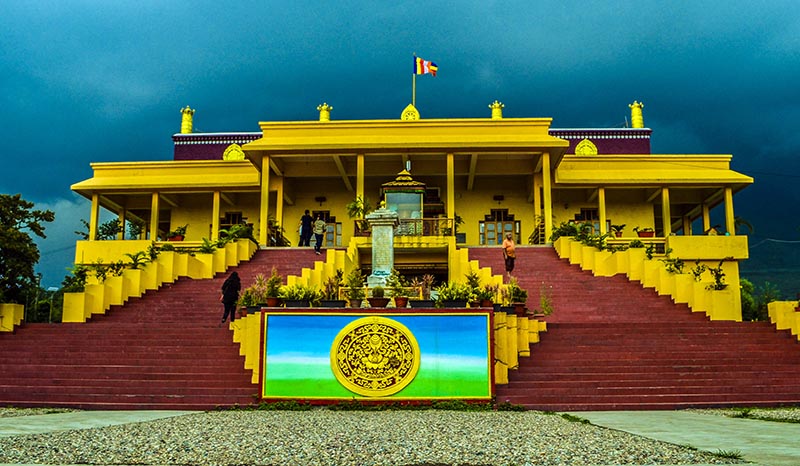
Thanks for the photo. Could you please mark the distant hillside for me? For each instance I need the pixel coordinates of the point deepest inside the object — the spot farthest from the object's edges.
(775, 261)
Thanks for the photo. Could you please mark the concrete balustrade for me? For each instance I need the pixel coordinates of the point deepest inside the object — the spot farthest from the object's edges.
(97, 298)
(724, 304)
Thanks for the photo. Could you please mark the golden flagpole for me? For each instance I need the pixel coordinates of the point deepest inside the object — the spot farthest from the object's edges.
(414, 83)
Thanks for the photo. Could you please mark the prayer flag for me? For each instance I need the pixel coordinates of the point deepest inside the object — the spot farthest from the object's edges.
(424, 66)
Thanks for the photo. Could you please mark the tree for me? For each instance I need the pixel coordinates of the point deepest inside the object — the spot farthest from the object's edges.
(18, 252)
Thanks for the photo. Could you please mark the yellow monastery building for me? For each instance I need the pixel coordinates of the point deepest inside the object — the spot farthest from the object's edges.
(477, 177)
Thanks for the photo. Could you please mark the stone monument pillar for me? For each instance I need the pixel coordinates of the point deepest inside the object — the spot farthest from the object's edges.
(382, 223)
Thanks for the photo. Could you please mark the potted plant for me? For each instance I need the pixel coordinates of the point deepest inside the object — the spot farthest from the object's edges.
(358, 208)
(453, 294)
(645, 232)
(617, 230)
(474, 282)
(355, 284)
(298, 295)
(330, 291)
(516, 296)
(423, 285)
(177, 234)
(486, 295)
(248, 300)
(273, 288)
(398, 288)
(377, 299)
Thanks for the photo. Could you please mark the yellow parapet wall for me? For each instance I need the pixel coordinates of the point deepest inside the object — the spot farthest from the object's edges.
(785, 316)
(701, 296)
(98, 298)
(11, 315)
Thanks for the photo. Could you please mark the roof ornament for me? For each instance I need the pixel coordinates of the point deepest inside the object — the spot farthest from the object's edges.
(324, 111)
(497, 110)
(637, 120)
(186, 120)
(410, 113)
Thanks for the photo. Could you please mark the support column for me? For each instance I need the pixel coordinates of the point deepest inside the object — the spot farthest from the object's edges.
(687, 226)
(122, 216)
(601, 208)
(360, 176)
(451, 189)
(706, 218)
(94, 217)
(263, 216)
(730, 220)
(154, 217)
(666, 214)
(215, 216)
(548, 196)
(279, 201)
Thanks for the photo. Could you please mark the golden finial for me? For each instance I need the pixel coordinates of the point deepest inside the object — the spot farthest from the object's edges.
(637, 120)
(497, 110)
(324, 111)
(186, 120)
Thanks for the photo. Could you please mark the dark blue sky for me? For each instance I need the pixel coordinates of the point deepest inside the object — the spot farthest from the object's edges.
(98, 81)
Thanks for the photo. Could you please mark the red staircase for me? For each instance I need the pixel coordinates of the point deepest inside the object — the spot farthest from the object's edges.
(613, 345)
(162, 351)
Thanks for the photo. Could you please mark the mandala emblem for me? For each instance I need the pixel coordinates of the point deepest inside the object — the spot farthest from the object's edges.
(375, 356)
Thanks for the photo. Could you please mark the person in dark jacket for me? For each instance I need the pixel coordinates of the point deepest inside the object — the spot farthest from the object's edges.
(230, 294)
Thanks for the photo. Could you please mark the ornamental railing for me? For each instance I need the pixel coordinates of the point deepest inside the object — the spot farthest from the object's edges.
(413, 227)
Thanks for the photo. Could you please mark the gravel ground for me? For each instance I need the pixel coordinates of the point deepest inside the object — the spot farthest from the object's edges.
(15, 412)
(323, 437)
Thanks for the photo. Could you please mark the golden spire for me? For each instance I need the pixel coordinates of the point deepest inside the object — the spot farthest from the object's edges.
(497, 110)
(186, 120)
(324, 111)
(637, 120)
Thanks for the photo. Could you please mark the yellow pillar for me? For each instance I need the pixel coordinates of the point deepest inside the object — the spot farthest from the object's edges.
(263, 217)
(665, 211)
(548, 196)
(451, 188)
(279, 201)
(706, 218)
(601, 207)
(121, 217)
(94, 216)
(215, 217)
(360, 176)
(154, 217)
(687, 226)
(730, 221)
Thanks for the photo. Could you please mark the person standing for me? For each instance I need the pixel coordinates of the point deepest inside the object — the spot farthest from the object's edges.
(305, 229)
(509, 253)
(230, 294)
(319, 233)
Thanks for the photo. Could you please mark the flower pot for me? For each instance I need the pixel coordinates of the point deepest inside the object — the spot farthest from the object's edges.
(273, 302)
(333, 303)
(486, 303)
(519, 309)
(355, 302)
(175, 238)
(401, 301)
(646, 234)
(421, 303)
(296, 302)
(378, 302)
(475, 304)
(454, 303)
(253, 309)
(241, 312)
(618, 234)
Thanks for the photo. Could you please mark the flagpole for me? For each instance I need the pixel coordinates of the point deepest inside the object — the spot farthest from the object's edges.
(414, 83)
(414, 90)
